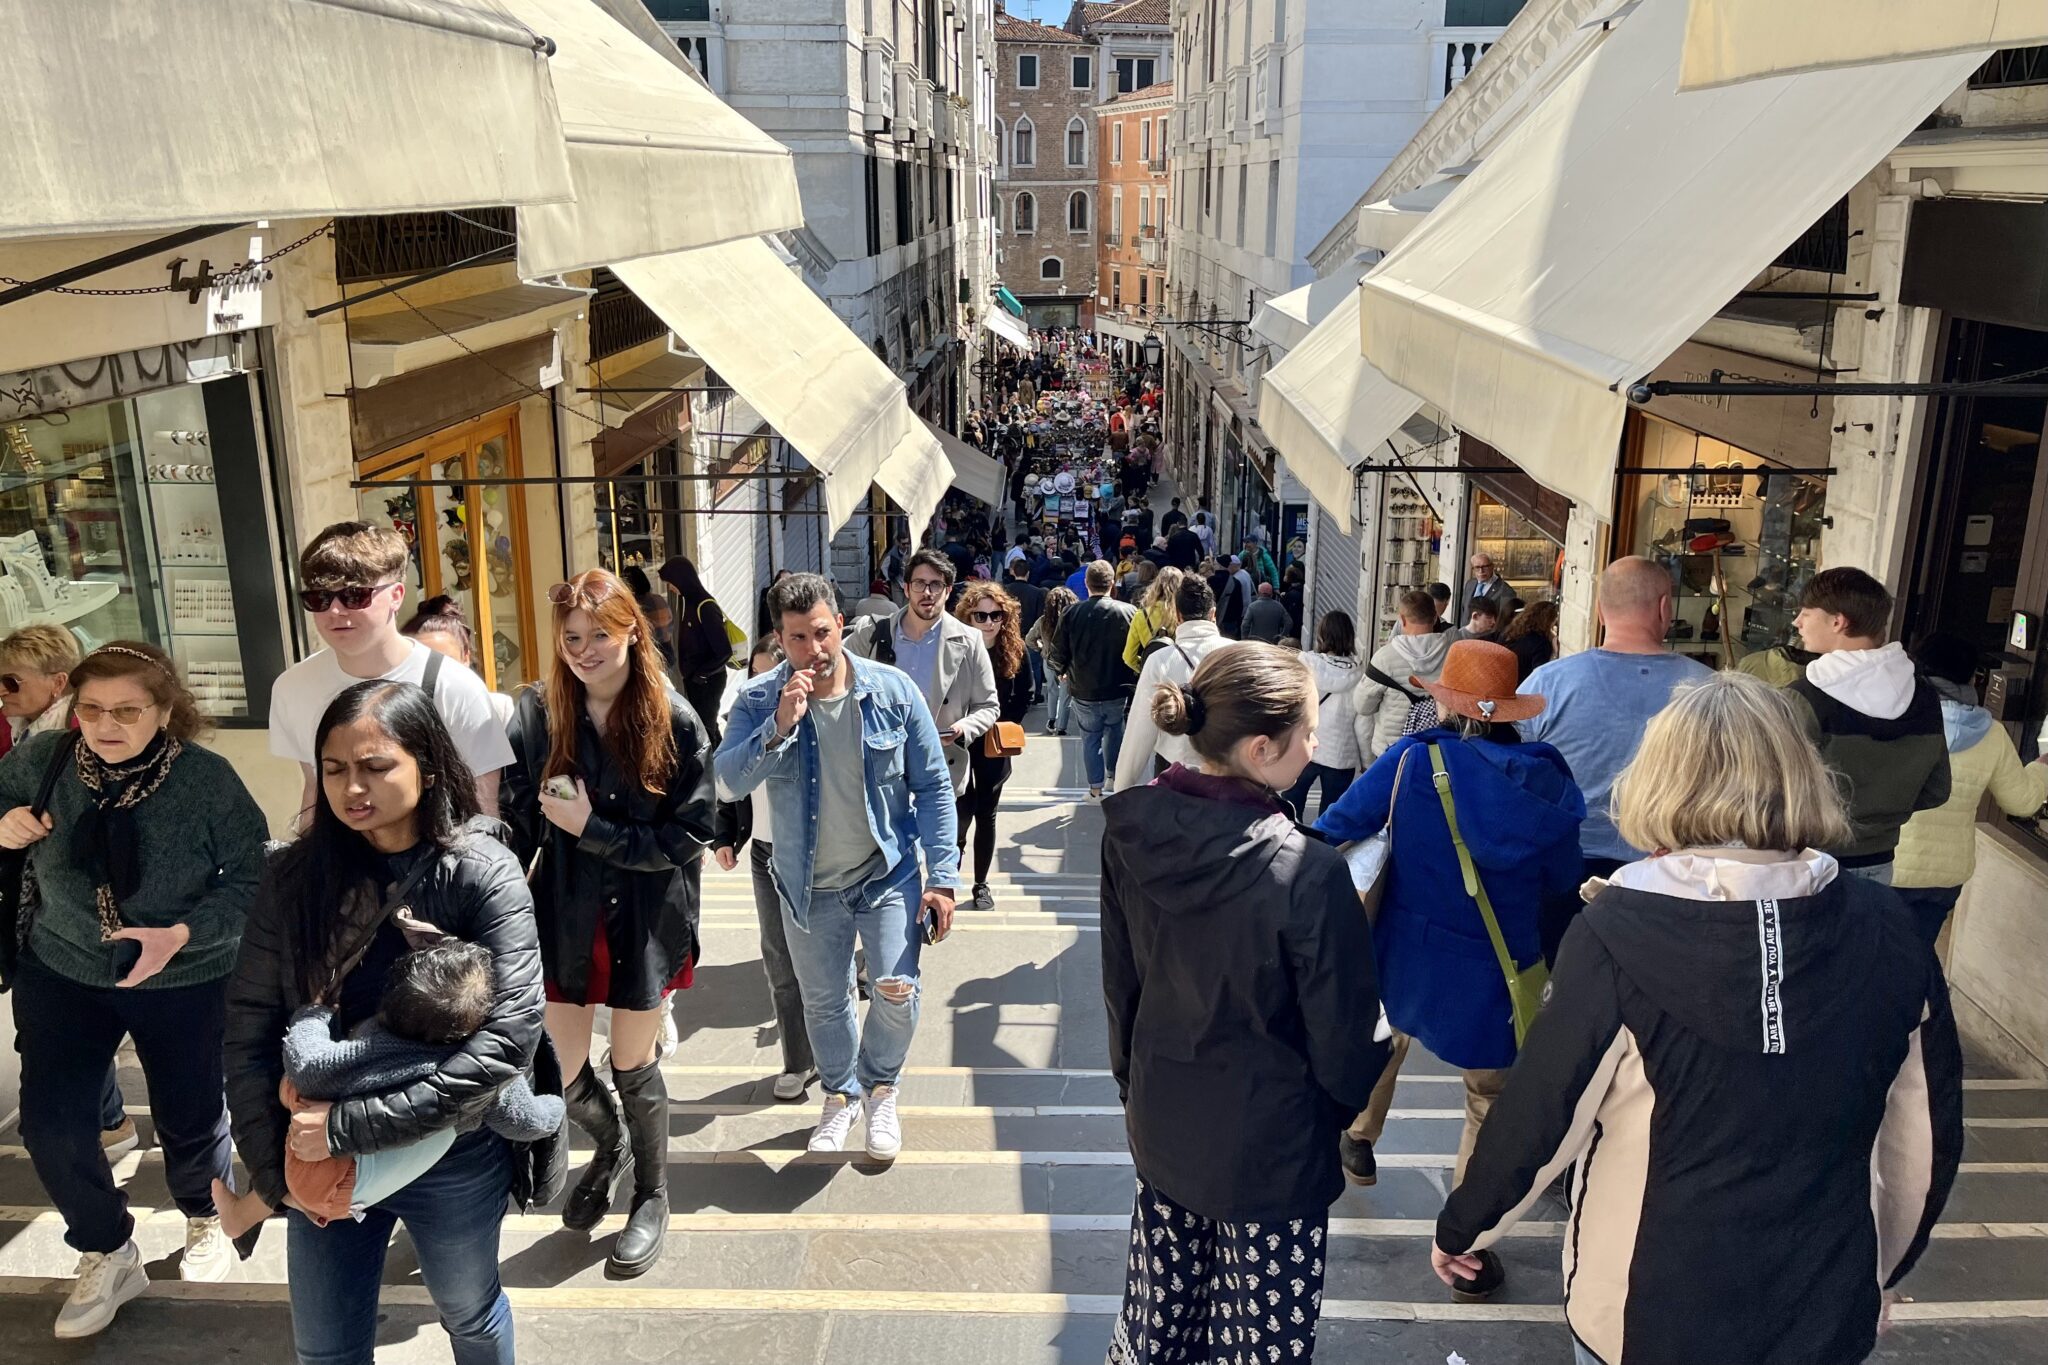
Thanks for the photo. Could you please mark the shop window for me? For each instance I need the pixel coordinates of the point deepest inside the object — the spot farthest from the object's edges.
(468, 539)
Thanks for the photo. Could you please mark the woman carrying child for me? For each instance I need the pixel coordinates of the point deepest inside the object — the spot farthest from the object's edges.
(395, 852)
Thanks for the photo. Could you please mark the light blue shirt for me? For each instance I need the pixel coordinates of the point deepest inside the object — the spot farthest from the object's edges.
(1596, 705)
(920, 659)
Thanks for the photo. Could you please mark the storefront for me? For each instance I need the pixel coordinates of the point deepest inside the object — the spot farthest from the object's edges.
(136, 503)
(639, 521)
(1513, 520)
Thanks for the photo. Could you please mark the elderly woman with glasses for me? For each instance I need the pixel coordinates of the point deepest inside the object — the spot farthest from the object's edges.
(143, 851)
(610, 790)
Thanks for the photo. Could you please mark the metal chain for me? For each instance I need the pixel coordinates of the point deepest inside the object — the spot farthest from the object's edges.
(231, 276)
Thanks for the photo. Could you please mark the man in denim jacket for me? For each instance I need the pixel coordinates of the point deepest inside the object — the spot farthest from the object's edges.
(857, 780)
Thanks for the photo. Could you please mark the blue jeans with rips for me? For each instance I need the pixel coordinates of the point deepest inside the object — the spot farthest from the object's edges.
(452, 1215)
(882, 913)
(1102, 735)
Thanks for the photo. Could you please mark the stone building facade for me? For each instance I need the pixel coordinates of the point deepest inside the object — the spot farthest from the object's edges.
(1046, 82)
(1136, 204)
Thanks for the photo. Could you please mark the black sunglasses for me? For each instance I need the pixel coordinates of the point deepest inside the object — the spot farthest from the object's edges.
(985, 618)
(10, 682)
(317, 600)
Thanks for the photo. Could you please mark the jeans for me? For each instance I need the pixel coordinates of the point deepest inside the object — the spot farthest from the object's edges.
(1102, 735)
(882, 912)
(1056, 702)
(1037, 662)
(452, 1215)
(1336, 781)
(1930, 906)
(113, 1110)
(66, 1034)
(1582, 1356)
(782, 986)
(1881, 873)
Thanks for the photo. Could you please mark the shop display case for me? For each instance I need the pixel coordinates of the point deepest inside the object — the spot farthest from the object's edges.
(1410, 537)
(1521, 552)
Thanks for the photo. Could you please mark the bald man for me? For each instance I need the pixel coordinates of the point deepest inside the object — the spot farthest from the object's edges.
(1598, 701)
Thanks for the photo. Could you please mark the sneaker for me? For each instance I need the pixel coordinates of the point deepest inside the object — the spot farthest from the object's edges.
(1355, 1155)
(670, 1039)
(1052, 729)
(834, 1124)
(1492, 1275)
(984, 899)
(106, 1280)
(790, 1085)
(209, 1255)
(1095, 793)
(116, 1143)
(885, 1130)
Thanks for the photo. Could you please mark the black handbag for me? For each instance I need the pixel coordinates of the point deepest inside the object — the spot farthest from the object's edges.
(540, 1169)
(14, 867)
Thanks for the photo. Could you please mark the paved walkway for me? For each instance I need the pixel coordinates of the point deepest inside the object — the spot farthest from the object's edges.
(999, 1235)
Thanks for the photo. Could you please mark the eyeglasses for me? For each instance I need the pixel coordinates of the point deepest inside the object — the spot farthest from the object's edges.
(88, 713)
(930, 587)
(985, 618)
(318, 600)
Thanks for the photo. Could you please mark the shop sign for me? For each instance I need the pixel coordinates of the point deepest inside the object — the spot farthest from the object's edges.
(28, 394)
(729, 475)
(1793, 430)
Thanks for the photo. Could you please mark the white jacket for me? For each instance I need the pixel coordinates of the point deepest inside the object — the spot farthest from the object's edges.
(1175, 661)
(1342, 739)
(1400, 658)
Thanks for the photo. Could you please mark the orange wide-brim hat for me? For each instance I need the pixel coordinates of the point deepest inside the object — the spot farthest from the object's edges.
(1479, 682)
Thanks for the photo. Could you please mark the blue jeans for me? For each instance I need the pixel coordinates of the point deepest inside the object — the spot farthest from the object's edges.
(1102, 735)
(1582, 1356)
(1336, 781)
(1056, 702)
(452, 1214)
(883, 913)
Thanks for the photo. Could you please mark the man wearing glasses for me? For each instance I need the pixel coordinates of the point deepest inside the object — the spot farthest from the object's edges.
(351, 584)
(945, 657)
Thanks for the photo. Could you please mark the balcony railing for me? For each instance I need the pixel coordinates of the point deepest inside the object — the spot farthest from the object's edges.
(1156, 164)
(619, 321)
(1456, 51)
(410, 243)
(1824, 246)
(1112, 239)
(2012, 66)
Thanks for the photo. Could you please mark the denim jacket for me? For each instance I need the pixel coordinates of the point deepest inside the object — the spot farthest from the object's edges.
(910, 791)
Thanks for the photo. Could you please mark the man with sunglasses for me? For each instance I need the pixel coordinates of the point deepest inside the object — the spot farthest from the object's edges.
(945, 657)
(351, 582)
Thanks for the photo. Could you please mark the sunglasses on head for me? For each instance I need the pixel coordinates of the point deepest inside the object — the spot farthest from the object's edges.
(317, 600)
(569, 595)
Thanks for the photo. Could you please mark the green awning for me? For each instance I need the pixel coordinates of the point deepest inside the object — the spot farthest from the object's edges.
(1009, 301)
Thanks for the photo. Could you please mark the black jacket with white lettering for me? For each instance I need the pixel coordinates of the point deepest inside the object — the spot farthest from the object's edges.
(1762, 1101)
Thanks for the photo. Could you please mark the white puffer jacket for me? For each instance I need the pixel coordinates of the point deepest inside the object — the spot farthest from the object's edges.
(1385, 709)
(1342, 740)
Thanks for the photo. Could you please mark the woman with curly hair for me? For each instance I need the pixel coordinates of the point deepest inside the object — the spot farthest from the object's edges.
(610, 790)
(994, 613)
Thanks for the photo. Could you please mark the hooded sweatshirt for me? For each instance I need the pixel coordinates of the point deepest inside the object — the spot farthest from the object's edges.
(1939, 847)
(1750, 1064)
(1238, 970)
(1878, 726)
(1384, 707)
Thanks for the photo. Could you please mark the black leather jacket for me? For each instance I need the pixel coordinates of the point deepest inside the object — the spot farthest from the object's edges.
(476, 892)
(1090, 650)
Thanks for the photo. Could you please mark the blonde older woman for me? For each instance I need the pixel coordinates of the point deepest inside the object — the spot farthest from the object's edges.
(1747, 1057)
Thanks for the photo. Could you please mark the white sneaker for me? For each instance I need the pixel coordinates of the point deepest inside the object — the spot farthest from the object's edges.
(670, 1039)
(835, 1124)
(885, 1130)
(209, 1255)
(790, 1085)
(106, 1280)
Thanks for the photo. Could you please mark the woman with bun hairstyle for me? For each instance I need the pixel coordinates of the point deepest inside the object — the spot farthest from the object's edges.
(610, 790)
(441, 625)
(1238, 970)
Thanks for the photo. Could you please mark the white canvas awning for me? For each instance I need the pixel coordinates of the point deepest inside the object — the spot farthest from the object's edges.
(916, 476)
(784, 351)
(1385, 223)
(1739, 40)
(620, 396)
(1326, 409)
(1117, 327)
(1010, 329)
(389, 344)
(1609, 226)
(974, 473)
(1285, 319)
(153, 115)
(658, 162)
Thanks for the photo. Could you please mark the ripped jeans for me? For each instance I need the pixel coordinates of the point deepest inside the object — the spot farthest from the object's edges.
(883, 912)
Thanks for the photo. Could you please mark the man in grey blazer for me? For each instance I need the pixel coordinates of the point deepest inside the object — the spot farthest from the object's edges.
(944, 657)
(1487, 585)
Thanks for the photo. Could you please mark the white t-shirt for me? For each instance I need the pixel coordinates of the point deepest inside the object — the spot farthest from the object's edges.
(302, 695)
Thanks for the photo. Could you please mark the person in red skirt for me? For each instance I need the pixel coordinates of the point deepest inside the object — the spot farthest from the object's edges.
(610, 791)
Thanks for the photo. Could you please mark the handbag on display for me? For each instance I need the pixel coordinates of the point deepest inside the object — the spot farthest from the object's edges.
(1526, 985)
(1005, 739)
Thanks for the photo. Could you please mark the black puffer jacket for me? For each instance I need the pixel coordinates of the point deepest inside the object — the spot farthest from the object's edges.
(476, 892)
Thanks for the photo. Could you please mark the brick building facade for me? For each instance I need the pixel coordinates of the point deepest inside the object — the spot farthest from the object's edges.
(1045, 192)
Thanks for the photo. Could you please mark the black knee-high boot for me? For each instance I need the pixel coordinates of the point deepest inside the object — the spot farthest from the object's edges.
(644, 1097)
(596, 1112)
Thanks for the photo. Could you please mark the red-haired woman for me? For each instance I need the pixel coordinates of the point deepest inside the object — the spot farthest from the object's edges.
(610, 788)
(996, 615)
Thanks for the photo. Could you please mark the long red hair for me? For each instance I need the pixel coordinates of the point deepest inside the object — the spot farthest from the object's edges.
(637, 732)
(1008, 651)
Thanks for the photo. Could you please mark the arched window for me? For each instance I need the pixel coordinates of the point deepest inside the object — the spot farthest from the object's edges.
(1002, 146)
(1026, 146)
(1051, 269)
(1077, 211)
(1077, 142)
(996, 209)
(1027, 212)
